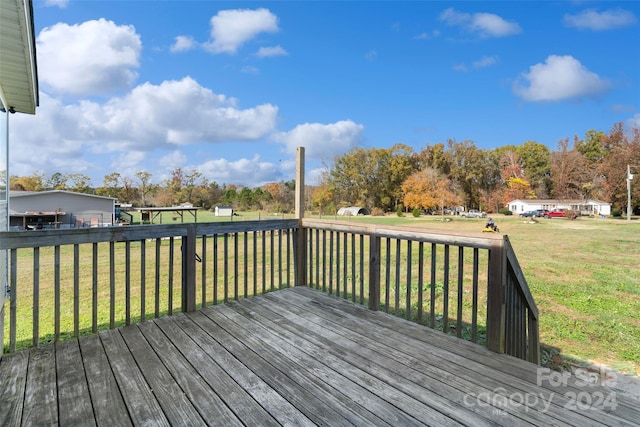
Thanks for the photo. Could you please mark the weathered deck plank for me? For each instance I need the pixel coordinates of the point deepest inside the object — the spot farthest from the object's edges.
(292, 357)
(74, 402)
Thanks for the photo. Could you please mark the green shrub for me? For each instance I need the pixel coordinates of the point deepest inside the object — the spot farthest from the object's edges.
(505, 211)
(399, 211)
(416, 212)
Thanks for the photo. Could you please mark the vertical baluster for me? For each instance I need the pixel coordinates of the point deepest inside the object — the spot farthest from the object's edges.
(353, 267)
(420, 281)
(362, 268)
(271, 256)
(112, 285)
(225, 265)
(235, 266)
(474, 303)
(76, 290)
(397, 284)
(387, 282)
(246, 264)
(331, 263)
(94, 294)
(56, 290)
(345, 260)
(318, 255)
(171, 255)
(338, 257)
(280, 259)
(324, 260)
(460, 291)
(255, 263)
(127, 282)
(143, 285)
(264, 261)
(36, 296)
(203, 271)
(13, 302)
(215, 269)
(445, 291)
(157, 279)
(432, 302)
(409, 267)
(288, 231)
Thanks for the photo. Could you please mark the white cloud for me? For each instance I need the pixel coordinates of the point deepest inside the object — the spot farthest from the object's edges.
(182, 43)
(560, 77)
(483, 24)
(265, 52)
(591, 19)
(249, 172)
(485, 61)
(95, 57)
(150, 118)
(322, 141)
(633, 122)
(230, 29)
(427, 35)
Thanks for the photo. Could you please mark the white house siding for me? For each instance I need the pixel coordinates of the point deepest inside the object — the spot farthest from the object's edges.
(585, 207)
(223, 211)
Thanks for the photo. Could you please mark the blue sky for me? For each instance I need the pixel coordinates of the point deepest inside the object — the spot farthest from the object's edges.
(232, 88)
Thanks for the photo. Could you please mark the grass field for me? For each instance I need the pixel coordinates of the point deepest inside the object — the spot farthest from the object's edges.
(583, 274)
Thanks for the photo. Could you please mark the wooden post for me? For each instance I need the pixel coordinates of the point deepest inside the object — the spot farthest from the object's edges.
(374, 272)
(496, 297)
(189, 269)
(300, 253)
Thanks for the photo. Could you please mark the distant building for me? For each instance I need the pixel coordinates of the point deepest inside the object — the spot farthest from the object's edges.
(32, 210)
(223, 211)
(584, 207)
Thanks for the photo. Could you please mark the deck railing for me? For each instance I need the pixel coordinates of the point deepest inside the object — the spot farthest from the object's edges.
(69, 282)
(469, 286)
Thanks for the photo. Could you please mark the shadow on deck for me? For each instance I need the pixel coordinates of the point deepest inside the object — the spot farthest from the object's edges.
(290, 357)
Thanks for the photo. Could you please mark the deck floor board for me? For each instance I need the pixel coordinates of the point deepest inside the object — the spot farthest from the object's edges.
(290, 357)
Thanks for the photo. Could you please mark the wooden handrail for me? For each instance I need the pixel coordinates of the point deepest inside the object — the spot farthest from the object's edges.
(511, 324)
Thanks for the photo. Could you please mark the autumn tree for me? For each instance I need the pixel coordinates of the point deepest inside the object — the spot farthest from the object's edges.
(110, 185)
(34, 182)
(428, 189)
(568, 172)
(535, 160)
(80, 183)
(620, 152)
(145, 187)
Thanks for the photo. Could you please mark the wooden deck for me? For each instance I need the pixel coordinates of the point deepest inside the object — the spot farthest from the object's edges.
(291, 357)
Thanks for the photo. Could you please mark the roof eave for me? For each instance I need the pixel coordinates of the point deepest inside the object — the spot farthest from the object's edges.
(18, 65)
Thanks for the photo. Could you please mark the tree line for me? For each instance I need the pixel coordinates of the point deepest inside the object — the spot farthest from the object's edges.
(400, 178)
(461, 174)
(184, 186)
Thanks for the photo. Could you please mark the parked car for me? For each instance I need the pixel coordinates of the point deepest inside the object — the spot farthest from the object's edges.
(528, 214)
(555, 213)
(473, 213)
(540, 212)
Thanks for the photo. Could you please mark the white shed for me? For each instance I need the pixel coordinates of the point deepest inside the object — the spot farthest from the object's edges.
(223, 211)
